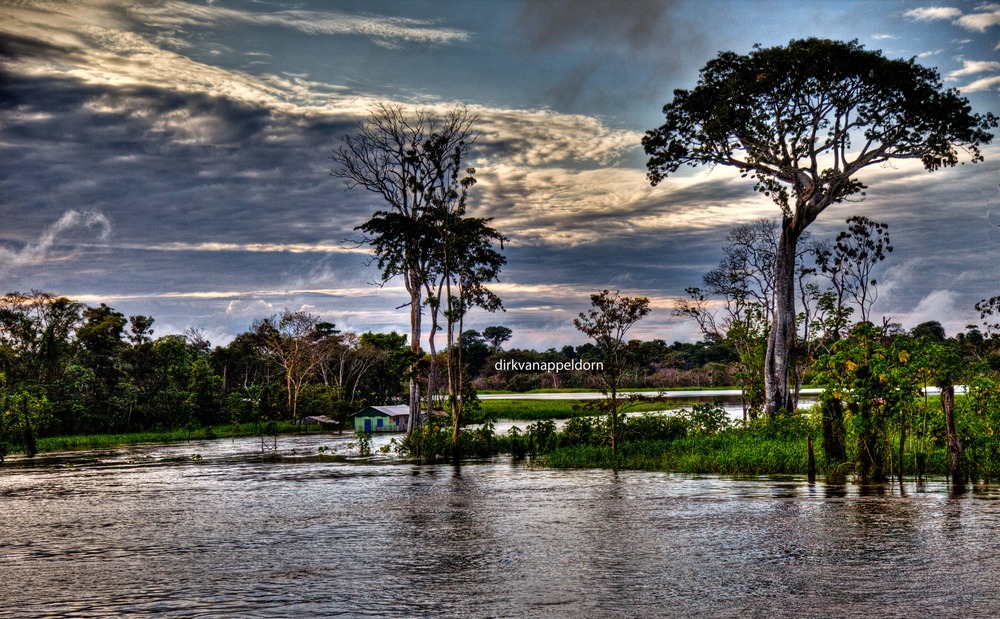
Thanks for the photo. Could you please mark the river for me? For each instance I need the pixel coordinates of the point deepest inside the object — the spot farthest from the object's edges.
(211, 529)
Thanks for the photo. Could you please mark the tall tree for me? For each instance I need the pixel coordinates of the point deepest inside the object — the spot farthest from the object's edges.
(469, 262)
(803, 120)
(406, 159)
(607, 323)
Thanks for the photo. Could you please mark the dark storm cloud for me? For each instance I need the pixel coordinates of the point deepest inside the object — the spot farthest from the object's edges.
(610, 51)
(168, 165)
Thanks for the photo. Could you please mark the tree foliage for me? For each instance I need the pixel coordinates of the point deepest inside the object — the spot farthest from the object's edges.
(803, 121)
(607, 323)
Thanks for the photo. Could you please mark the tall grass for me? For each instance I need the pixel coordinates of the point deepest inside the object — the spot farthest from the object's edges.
(730, 453)
(537, 410)
(102, 441)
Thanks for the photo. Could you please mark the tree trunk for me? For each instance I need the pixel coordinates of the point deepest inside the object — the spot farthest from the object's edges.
(614, 419)
(781, 340)
(432, 370)
(834, 433)
(902, 446)
(414, 420)
(954, 445)
(810, 459)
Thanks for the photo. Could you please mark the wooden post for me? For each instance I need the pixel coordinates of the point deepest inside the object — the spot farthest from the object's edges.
(811, 460)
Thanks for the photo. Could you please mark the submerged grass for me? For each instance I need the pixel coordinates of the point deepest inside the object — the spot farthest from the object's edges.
(101, 441)
(730, 453)
(734, 452)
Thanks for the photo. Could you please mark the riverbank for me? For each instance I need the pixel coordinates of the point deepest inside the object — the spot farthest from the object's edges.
(103, 441)
(735, 452)
(538, 410)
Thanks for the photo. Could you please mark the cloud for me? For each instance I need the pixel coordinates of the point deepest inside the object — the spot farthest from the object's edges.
(988, 15)
(53, 236)
(626, 45)
(986, 83)
(979, 22)
(933, 13)
(939, 305)
(883, 37)
(974, 67)
(383, 30)
(293, 248)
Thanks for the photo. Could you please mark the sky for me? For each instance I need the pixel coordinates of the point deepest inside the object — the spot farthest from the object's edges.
(172, 158)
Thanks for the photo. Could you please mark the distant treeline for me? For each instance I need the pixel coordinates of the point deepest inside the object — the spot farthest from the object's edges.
(68, 368)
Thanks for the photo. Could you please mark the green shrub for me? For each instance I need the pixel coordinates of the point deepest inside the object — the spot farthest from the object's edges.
(708, 418)
(653, 427)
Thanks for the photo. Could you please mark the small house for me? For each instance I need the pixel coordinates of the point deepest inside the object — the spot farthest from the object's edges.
(393, 418)
(382, 419)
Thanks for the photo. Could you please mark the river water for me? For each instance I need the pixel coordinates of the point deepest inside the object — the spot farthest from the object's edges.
(212, 529)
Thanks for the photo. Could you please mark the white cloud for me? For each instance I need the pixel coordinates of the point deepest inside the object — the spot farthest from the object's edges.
(988, 15)
(986, 83)
(981, 21)
(971, 67)
(929, 53)
(939, 305)
(933, 13)
(883, 37)
(41, 250)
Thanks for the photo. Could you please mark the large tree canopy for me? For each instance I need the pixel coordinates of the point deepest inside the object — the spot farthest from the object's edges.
(802, 121)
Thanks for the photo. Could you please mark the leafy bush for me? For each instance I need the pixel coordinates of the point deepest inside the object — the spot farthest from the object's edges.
(708, 418)
(580, 431)
(542, 436)
(653, 427)
(783, 425)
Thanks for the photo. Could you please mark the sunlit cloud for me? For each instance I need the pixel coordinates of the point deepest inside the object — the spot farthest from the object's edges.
(987, 15)
(933, 13)
(986, 83)
(385, 31)
(972, 67)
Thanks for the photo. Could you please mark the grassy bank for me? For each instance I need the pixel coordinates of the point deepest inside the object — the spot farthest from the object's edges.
(537, 410)
(650, 390)
(101, 441)
(734, 452)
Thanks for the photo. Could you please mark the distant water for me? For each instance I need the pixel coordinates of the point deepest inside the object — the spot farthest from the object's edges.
(158, 531)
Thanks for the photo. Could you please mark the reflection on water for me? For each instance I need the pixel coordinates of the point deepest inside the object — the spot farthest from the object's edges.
(156, 531)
